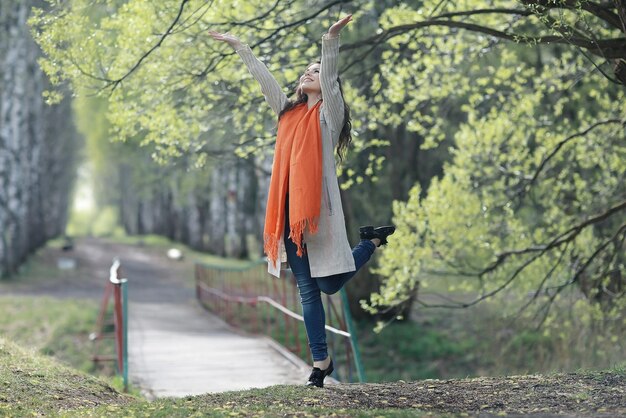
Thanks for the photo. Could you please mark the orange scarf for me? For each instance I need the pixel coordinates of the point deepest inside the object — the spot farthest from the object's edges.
(297, 169)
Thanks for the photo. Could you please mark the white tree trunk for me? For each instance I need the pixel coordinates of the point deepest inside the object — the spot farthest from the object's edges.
(38, 145)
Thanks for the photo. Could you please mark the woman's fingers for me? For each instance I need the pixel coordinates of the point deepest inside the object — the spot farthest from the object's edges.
(226, 37)
(231, 40)
(216, 35)
(341, 23)
(346, 19)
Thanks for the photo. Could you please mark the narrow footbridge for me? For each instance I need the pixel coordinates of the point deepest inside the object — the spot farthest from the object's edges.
(238, 329)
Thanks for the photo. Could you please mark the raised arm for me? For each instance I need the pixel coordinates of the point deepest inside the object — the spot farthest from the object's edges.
(329, 72)
(274, 95)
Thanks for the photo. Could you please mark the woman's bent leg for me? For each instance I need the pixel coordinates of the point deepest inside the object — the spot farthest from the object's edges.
(361, 253)
(310, 297)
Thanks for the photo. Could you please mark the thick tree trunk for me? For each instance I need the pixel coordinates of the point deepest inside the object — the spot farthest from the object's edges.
(38, 145)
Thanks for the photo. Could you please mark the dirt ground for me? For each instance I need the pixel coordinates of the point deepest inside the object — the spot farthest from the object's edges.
(598, 394)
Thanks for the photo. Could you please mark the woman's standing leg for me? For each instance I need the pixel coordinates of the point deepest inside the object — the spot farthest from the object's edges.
(310, 297)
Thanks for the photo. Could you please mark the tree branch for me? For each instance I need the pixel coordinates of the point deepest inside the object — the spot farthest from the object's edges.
(606, 48)
(560, 239)
(621, 11)
(274, 32)
(560, 145)
(115, 83)
(485, 11)
(297, 22)
(544, 281)
(579, 272)
(595, 9)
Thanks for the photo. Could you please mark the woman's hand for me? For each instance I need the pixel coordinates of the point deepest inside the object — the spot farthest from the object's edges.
(231, 40)
(336, 28)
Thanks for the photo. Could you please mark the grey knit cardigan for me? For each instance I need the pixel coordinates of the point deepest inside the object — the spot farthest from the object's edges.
(328, 250)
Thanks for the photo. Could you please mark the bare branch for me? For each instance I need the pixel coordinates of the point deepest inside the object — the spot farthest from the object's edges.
(562, 143)
(251, 20)
(609, 48)
(547, 277)
(486, 11)
(563, 238)
(559, 240)
(584, 267)
(183, 25)
(297, 22)
(274, 31)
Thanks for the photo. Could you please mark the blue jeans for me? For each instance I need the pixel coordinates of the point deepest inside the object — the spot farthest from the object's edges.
(310, 288)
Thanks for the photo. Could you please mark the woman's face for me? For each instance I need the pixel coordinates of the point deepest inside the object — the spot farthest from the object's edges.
(310, 80)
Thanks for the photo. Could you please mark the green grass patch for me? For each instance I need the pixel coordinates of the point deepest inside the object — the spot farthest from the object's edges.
(408, 351)
(32, 384)
(617, 370)
(36, 269)
(55, 327)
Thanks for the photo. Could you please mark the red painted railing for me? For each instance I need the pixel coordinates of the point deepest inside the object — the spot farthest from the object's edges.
(116, 288)
(252, 300)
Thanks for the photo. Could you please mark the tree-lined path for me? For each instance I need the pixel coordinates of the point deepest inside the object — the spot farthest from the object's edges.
(176, 348)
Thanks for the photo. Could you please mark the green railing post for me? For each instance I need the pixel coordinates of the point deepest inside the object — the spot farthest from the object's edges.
(125, 332)
(351, 330)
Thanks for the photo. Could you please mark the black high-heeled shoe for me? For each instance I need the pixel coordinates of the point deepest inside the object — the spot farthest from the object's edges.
(382, 232)
(317, 375)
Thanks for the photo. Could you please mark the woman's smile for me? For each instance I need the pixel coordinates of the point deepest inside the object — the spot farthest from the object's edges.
(310, 80)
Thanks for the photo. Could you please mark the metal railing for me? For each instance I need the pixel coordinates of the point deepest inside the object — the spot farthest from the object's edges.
(250, 299)
(117, 288)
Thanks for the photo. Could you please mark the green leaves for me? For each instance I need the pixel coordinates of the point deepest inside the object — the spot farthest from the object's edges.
(534, 155)
(532, 129)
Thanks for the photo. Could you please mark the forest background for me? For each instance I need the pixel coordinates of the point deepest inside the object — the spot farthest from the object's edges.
(490, 132)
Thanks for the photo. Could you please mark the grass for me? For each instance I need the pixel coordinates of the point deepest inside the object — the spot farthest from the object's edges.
(34, 384)
(616, 370)
(275, 401)
(406, 351)
(54, 327)
(34, 270)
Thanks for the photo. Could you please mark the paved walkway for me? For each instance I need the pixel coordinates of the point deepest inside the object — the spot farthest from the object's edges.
(177, 348)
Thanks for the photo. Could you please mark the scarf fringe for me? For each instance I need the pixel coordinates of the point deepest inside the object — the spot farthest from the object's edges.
(270, 246)
(297, 229)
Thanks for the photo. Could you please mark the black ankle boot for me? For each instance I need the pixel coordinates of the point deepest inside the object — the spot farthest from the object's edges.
(317, 375)
(382, 232)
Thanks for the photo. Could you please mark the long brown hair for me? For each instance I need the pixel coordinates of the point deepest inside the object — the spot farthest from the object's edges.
(345, 136)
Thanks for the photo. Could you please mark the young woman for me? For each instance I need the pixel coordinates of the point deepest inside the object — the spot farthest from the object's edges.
(304, 217)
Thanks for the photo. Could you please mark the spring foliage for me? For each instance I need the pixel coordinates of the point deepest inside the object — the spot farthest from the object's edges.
(520, 94)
